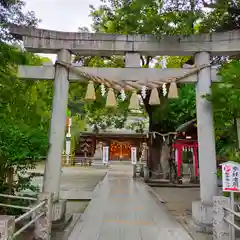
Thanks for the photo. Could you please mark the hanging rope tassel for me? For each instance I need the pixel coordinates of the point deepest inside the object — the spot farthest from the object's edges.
(111, 100)
(134, 101)
(173, 90)
(90, 94)
(154, 97)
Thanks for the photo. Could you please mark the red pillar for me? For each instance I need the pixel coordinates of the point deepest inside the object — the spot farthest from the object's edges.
(195, 160)
(179, 160)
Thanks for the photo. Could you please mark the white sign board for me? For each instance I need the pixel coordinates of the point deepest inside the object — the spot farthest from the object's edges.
(105, 155)
(231, 177)
(68, 147)
(134, 155)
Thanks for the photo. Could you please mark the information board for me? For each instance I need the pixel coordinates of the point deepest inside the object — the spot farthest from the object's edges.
(230, 177)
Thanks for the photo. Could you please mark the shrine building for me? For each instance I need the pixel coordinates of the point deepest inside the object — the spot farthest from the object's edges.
(119, 141)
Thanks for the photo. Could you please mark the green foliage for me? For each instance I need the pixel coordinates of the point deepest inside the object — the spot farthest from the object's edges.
(226, 101)
(24, 117)
(146, 17)
(21, 145)
(157, 18)
(12, 13)
(95, 112)
(138, 126)
(174, 112)
(24, 108)
(227, 92)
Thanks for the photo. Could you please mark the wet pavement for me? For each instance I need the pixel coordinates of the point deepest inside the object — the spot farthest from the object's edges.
(122, 209)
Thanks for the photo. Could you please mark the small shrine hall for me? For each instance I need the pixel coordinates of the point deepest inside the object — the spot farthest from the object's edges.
(119, 143)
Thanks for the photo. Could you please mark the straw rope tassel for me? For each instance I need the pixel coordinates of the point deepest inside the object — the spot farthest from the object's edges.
(173, 90)
(134, 101)
(154, 97)
(111, 100)
(90, 94)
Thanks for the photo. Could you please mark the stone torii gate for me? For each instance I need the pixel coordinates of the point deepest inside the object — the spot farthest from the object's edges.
(90, 44)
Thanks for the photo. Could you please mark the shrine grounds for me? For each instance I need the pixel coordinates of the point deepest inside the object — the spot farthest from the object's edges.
(78, 184)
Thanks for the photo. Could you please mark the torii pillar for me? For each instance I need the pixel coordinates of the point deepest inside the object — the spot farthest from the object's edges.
(132, 60)
(202, 211)
(53, 164)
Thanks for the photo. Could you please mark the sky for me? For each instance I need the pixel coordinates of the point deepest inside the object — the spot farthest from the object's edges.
(62, 15)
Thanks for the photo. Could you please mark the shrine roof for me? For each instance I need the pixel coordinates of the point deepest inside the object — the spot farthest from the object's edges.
(186, 125)
(230, 163)
(114, 134)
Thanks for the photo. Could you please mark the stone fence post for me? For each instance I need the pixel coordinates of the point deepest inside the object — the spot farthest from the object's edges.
(43, 225)
(221, 229)
(134, 170)
(146, 173)
(7, 227)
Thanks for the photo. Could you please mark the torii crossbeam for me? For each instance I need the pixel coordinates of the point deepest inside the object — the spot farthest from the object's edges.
(135, 74)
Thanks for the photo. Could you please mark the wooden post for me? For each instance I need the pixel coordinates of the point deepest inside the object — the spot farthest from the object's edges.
(232, 228)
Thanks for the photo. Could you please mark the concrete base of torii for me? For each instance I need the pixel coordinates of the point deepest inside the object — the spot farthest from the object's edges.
(202, 216)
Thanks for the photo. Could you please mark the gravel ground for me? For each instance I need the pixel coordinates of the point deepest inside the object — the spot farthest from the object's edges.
(178, 201)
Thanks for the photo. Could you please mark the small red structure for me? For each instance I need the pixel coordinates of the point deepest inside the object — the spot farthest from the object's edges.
(179, 145)
(186, 139)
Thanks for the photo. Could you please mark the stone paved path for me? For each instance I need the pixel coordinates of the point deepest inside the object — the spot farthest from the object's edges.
(124, 209)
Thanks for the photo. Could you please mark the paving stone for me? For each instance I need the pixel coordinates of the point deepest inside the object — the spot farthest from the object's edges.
(124, 209)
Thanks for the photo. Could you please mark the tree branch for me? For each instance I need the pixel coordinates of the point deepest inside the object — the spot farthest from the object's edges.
(148, 60)
(209, 5)
(142, 59)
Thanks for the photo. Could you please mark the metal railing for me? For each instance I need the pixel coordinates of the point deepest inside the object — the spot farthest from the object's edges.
(68, 162)
(225, 218)
(39, 214)
(229, 217)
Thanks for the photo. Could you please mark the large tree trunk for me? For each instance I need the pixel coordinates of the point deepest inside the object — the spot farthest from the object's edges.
(154, 144)
(10, 181)
(155, 149)
(158, 157)
(164, 161)
(154, 157)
